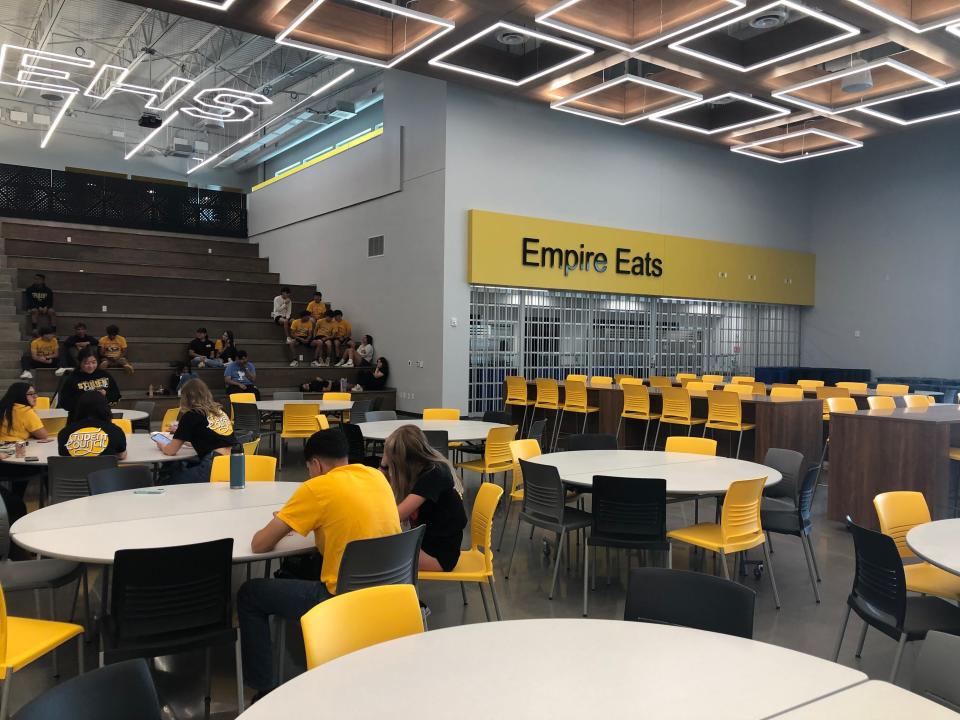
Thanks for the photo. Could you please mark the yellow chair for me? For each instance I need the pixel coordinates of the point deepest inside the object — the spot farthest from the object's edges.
(676, 409)
(243, 397)
(250, 448)
(759, 388)
(601, 380)
(725, 412)
(618, 379)
(548, 398)
(681, 377)
(741, 389)
(743, 379)
(787, 393)
(691, 445)
(356, 620)
(825, 393)
(54, 425)
(43, 403)
(810, 384)
(715, 379)
(854, 387)
(496, 454)
(627, 380)
(739, 528)
(476, 564)
(574, 401)
(441, 414)
(125, 425)
(23, 640)
(636, 406)
(892, 389)
(323, 422)
(517, 396)
(698, 386)
(899, 512)
(660, 381)
(842, 405)
(258, 468)
(300, 421)
(881, 402)
(576, 378)
(337, 396)
(169, 417)
(519, 450)
(931, 399)
(786, 385)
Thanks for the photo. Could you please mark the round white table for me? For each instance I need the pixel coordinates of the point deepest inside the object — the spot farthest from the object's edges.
(92, 529)
(131, 415)
(457, 430)
(325, 406)
(685, 473)
(938, 543)
(621, 670)
(140, 449)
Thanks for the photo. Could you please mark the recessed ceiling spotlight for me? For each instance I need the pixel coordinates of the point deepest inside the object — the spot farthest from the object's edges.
(773, 18)
(79, 51)
(510, 37)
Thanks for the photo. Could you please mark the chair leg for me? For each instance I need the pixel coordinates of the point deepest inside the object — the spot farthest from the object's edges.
(496, 600)
(503, 528)
(723, 563)
(239, 662)
(804, 541)
(619, 423)
(556, 435)
(209, 681)
(843, 629)
(863, 637)
(896, 659)
(483, 596)
(645, 434)
(813, 556)
(556, 564)
(656, 436)
(516, 537)
(523, 420)
(773, 580)
(5, 697)
(463, 591)
(80, 646)
(739, 443)
(586, 575)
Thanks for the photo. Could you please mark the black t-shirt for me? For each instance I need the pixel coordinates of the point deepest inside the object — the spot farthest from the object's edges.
(203, 348)
(228, 354)
(37, 296)
(205, 432)
(79, 382)
(90, 438)
(443, 514)
(74, 339)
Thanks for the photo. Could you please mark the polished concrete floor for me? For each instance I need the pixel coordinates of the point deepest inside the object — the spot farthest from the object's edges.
(800, 624)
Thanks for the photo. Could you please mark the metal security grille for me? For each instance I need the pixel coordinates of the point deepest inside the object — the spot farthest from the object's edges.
(540, 333)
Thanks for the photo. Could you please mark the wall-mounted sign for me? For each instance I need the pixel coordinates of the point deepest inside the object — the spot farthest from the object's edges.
(517, 251)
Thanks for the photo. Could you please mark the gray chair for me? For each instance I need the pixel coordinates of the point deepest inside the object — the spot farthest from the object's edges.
(790, 464)
(67, 476)
(388, 560)
(591, 441)
(544, 506)
(535, 431)
(439, 440)
(935, 675)
(379, 415)
(246, 417)
(360, 410)
(146, 406)
(129, 477)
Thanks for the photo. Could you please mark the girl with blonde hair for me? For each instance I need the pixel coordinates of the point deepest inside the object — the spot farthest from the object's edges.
(428, 493)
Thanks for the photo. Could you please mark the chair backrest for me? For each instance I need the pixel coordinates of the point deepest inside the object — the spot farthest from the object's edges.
(619, 379)
(743, 379)
(43, 403)
(246, 418)
(892, 389)
(170, 416)
(522, 450)
(879, 585)
(935, 676)
(881, 402)
(441, 414)
(786, 393)
(686, 376)
(699, 386)
(54, 425)
(660, 381)
(241, 398)
(125, 425)
(116, 414)
(146, 406)
(825, 393)
(116, 479)
(543, 494)
(740, 516)
(715, 379)
(738, 388)
(810, 384)
(692, 445)
(250, 447)
(120, 691)
(323, 422)
(337, 396)
(690, 599)
(601, 380)
(916, 401)
(576, 378)
(724, 407)
(516, 389)
(288, 395)
(301, 418)
(899, 512)
(931, 399)
(481, 521)
(548, 392)
(439, 440)
(536, 429)
(786, 385)
(497, 416)
(358, 413)
(636, 399)
(854, 387)
(575, 395)
(789, 463)
(351, 622)
(67, 476)
(258, 468)
(805, 496)
(630, 508)
(759, 388)
(842, 405)
(356, 446)
(4, 530)
(381, 415)
(388, 560)
(676, 404)
(184, 588)
(591, 441)
(496, 451)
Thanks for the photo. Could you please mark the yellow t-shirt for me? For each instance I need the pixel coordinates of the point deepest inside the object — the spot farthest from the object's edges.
(343, 329)
(25, 421)
(45, 348)
(302, 330)
(317, 309)
(352, 502)
(324, 328)
(112, 348)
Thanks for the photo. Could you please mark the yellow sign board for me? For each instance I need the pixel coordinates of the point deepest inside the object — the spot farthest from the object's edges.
(517, 251)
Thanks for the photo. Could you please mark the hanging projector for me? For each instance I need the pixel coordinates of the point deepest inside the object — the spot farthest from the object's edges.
(150, 120)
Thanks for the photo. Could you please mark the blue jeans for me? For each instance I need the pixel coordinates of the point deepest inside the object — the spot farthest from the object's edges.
(190, 471)
(257, 600)
(209, 362)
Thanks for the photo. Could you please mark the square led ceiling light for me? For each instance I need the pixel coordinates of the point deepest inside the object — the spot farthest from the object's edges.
(765, 36)
(365, 31)
(799, 145)
(720, 113)
(632, 25)
(918, 16)
(510, 54)
(920, 106)
(214, 4)
(628, 98)
(852, 88)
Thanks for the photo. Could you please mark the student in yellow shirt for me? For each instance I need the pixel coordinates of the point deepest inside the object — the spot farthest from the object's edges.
(113, 350)
(342, 329)
(300, 338)
(322, 332)
(339, 503)
(317, 307)
(19, 421)
(44, 353)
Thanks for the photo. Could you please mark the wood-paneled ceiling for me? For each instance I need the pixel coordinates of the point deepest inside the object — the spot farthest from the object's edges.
(818, 60)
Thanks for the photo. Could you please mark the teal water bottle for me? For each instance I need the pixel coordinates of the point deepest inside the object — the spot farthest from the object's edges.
(238, 468)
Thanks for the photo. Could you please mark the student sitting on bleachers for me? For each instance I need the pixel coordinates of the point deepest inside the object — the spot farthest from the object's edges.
(342, 331)
(317, 307)
(241, 375)
(71, 348)
(113, 350)
(38, 302)
(300, 337)
(90, 431)
(361, 355)
(86, 378)
(44, 353)
(323, 333)
(283, 310)
(375, 379)
(202, 351)
(226, 347)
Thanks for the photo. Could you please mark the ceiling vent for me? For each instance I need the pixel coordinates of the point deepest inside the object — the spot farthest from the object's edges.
(773, 18)
(182, 148)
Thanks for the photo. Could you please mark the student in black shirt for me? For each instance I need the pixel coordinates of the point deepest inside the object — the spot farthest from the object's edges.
(428, 493)
(38, 302)
(90, 431)
(375, 379)
(74, 345)
(85, 378)
(204, 425)
(202, 351)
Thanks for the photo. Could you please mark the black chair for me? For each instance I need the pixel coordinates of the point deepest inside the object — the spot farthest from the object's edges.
(116, 414)
(439, 440)
(388, 560)
(67, 476)
(628, 513)
(490, 416)
(591, 441)
(358, 413)
(790, 465)
(128, 477)
(246, 417)
(170, 600)
(535, 431)
(355, 442)
(797, 522)
(690, 599)
(544, 506)
(124, 691)
(879, 597)
(146, 406)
